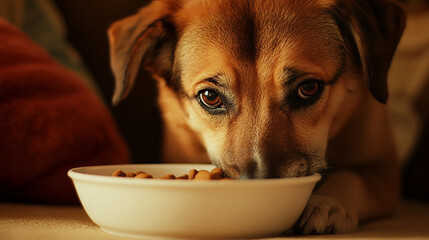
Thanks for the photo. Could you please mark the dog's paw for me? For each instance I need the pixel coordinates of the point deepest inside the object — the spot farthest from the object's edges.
(324, 215)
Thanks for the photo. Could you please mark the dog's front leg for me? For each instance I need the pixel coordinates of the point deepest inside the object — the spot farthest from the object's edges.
(324, 215)
(347, 198)
(333, 208)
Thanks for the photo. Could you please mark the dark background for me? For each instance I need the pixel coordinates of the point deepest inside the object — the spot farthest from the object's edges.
(137, 116)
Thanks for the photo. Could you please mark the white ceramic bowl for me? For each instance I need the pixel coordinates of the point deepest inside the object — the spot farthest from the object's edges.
(181, 209)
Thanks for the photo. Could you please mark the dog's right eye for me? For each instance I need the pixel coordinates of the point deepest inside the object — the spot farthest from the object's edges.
(210, 99)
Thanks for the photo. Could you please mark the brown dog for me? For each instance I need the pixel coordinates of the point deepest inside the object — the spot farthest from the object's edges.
(275, 88)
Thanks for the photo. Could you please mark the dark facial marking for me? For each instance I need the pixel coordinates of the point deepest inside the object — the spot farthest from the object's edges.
(234, 29)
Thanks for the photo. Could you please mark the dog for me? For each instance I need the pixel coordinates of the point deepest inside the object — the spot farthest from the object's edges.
(275, 88)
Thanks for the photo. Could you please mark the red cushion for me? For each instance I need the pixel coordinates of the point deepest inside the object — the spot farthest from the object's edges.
(49, 122)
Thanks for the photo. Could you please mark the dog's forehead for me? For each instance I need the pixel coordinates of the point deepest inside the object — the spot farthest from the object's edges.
(247, 29)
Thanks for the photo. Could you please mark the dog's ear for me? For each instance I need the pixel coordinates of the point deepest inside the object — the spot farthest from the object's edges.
(372, 30)
(146, 39)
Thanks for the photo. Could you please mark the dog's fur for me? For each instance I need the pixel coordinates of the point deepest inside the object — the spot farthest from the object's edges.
(256, 54)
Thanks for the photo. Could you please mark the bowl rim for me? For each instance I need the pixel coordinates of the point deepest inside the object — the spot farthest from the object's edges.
(76, 174)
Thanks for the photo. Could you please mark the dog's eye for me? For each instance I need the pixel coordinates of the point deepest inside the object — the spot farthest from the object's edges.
(210, 99)
(306, 94)
(308, 89)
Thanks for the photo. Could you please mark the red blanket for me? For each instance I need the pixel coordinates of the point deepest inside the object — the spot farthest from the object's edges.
(49, 122)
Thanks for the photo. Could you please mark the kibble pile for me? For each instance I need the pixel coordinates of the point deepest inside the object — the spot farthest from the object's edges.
(214, 174)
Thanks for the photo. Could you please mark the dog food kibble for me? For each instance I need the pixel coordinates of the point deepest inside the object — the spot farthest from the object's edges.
(192, 173)
(169, 176)
(202, 175)
(130, 174)
(119, 173)
(143, 175)
(184, 176)
(214, 174)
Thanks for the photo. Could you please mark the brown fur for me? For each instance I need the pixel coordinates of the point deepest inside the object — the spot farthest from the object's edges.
(255, 53)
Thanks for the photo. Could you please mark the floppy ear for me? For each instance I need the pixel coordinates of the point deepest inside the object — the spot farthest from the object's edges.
(147, 39)
(372, 30)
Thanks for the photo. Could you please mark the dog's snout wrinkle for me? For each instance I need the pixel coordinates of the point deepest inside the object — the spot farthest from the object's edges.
(245, 170)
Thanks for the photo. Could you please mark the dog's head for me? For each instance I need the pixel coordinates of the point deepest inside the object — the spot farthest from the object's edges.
(264, 83)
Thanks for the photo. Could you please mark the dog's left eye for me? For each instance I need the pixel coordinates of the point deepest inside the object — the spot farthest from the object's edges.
(210, 99)
(308, 89)
(307, 93)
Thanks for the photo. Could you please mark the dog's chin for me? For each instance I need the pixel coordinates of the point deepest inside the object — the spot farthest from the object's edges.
(288, 169)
